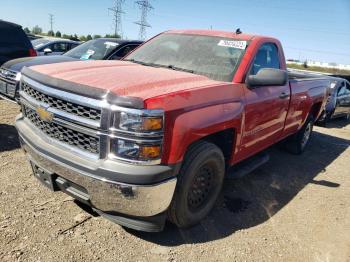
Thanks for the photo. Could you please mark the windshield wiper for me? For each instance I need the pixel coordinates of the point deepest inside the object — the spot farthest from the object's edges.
(159, 65)
(180, 69)
(138, 62)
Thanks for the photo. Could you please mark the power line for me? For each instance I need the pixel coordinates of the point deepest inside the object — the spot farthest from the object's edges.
(117, 10)
(51, 22)
(145, 7)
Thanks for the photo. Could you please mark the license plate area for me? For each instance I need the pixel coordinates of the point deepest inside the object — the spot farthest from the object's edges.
(45, 177)
(57, 183)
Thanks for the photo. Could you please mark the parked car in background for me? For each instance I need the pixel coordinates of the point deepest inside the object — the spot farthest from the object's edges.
(97, 49)
(153, 136)
(53, 46)
(14, 42)
(338, 102)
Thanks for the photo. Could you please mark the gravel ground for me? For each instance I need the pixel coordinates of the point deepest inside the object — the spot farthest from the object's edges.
(294, 208)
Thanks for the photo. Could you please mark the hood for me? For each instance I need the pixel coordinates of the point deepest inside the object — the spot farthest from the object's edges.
(17, 64)
(125, 78)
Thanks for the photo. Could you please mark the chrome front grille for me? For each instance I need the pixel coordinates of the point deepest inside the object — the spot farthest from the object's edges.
(64, 134)
(62, 105)
(8, 75)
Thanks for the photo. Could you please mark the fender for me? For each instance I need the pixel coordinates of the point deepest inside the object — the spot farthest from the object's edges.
(190, 117)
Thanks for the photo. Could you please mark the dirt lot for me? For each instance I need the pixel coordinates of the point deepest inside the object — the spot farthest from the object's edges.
(294, 208)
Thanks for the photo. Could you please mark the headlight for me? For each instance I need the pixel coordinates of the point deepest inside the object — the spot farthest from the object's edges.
(137, 135)
(143, 122)
(133, 150)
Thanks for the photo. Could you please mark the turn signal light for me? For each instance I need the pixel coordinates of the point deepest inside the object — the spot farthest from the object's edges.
(150, 124)
(150, 152)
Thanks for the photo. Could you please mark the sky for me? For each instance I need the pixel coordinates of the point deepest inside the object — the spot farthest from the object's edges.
(308, 29)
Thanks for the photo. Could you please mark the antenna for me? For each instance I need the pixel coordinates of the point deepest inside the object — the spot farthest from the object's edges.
(117, 10)
(51, 22)
(145, 7)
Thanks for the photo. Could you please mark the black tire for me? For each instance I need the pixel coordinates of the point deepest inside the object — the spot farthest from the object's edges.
(297, 143)
(199, 184)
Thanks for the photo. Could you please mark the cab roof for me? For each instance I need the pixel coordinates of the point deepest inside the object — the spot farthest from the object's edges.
(226, 34)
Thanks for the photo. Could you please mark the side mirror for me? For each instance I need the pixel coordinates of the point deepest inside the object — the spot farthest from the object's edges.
(47, 51)
(268, 77)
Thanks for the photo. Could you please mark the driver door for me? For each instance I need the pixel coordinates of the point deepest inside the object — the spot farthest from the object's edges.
(266, 106)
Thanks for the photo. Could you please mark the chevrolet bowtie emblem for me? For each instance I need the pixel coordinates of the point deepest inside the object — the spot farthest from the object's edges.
(44, 114)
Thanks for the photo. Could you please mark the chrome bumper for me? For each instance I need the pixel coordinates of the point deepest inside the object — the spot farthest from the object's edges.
(104, 194)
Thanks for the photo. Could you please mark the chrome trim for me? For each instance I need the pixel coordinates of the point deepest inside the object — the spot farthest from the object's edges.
(53, 141)
(103, 129)
(107, 195)
(62, 114)
(135, 162)
(70, 97)
(64, 122)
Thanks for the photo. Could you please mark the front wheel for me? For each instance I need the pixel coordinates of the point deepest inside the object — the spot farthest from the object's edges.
(199, 184)
(297, 143)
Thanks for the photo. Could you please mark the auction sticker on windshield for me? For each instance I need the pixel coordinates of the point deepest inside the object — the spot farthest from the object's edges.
(109, 44)
(89, 53)
(234, 44)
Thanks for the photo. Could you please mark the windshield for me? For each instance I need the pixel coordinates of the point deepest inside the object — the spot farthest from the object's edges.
(214, 57)
(40, 42)
(97, 49)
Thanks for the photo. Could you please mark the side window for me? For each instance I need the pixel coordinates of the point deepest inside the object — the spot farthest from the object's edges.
(266, 57)
(342, 89)
(73, 46)
(59, 47)
(123, 52)
(347, 88)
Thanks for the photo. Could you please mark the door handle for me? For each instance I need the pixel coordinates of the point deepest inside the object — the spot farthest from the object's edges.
(284, 95)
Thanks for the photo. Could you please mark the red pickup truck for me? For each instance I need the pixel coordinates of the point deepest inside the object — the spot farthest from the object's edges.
(153, 136)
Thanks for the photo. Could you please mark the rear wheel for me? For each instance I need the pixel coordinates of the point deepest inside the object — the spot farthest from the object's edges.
(199, 184)
(297, 143)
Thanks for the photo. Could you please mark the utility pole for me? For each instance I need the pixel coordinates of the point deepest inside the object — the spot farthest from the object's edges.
(145, 7)
(51, 22)
(117, 10)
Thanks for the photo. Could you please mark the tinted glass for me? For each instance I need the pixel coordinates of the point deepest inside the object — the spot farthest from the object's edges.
(58, 47)
(93, 50)
(214, 57)
(267, 57)
(341, 89)
(37, 43)
(123, 51)
(14, 36)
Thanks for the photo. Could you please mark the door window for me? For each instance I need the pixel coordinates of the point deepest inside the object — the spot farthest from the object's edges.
(123, 52)
(342, 89)
(58, 47)
(267, 57)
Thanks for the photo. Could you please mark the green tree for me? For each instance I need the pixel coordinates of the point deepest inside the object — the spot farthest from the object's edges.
(88, 37)
(97, 36)
(82, 38)
(74, 37)
(112, 36)
(65, 36)
(26, 30)
(58, 34)
(37, 30)
(51, 33)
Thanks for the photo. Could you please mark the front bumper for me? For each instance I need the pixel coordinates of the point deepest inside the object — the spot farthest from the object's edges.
(103, 192)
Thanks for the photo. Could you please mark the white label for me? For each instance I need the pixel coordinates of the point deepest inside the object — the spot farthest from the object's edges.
(109, 44)
(234, 44)
(90, 52)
